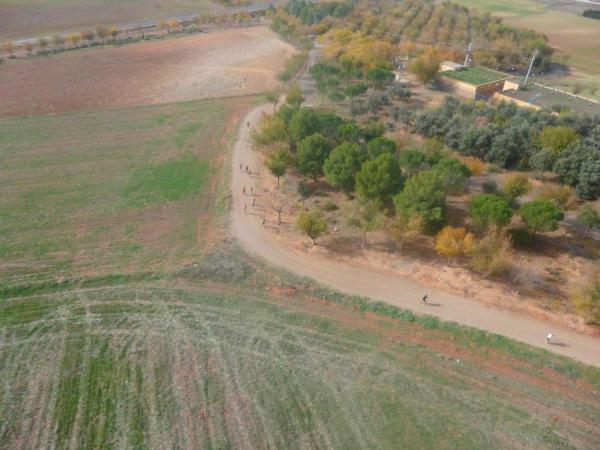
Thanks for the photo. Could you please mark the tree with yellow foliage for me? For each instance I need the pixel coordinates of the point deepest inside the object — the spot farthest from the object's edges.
(453, 242)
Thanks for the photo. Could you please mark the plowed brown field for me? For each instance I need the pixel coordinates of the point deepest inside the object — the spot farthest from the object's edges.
(222, 63)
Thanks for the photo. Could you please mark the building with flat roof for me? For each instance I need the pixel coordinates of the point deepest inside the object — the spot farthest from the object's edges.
(472, 81)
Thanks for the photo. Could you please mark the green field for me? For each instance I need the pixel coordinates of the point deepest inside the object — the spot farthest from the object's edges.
(475, 75)
(118, 191)
(227, 356)
(129, 320)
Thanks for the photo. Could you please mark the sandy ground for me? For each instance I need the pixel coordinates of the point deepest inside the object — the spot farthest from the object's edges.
(385, 285)
(221, 63)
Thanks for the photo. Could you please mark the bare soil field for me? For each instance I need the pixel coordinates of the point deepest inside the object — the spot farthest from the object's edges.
(25, 18)
(222, 63)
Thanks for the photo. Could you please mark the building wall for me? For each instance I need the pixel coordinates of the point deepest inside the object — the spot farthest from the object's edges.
(498, 97)
(488, 90)
(458, 87)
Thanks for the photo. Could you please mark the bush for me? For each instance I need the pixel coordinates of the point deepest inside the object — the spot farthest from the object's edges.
(561, 195)
(521, 238)
(516, 186)
(453, 242)
(586, 301)
(489, 255)
(329, 206)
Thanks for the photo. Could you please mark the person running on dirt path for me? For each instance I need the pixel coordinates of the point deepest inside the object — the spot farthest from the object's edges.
(241, 167)
(263, 221)
(244, 190)
(549, 338)
(253, 201)
(424, 299)
(245, 208)
(248, 125)
(247, 169)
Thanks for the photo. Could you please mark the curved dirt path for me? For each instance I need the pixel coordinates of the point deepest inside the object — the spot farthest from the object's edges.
(386, 287)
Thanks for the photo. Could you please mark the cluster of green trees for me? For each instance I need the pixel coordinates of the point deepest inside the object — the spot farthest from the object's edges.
(359, 159)
(510, 137)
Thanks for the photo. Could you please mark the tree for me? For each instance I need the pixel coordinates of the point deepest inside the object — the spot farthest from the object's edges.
(28, 46)
(452, 242)
(114, 32)
(556, 138)
(541, 215)
(489, 255)
(366, 216)
(88, 36)
(74, 39)
(271, 130)
(174, 24)
(350, 132)
(475, 165)
(379, 146)
(516, 186)
(342, 165)
(454, 173)
(312, 224)
(425, 67)
(379, 77)
(278, 162)
(303, 190)
(102, 32)
(294, 96)
(405, 228)
(43, 43)
(279, 200)
(311, 155)
(8, 47)
(424, 195)
(303, 123)
(379, 179)
(589, 217)
(162, 25)
(272, 97)
(412, 161)
(489, 209)
(58, 40)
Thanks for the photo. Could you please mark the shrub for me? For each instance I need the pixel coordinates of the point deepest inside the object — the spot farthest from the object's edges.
(329, 206)
(521, 237)
(475, 165)
(489, 255)
(586, 301)
(453, 242)
(516, 186)
(561, 195)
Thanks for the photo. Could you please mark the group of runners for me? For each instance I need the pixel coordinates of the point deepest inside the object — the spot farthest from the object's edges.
(249, 192)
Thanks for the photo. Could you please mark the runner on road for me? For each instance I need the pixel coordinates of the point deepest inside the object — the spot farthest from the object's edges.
(424, 299)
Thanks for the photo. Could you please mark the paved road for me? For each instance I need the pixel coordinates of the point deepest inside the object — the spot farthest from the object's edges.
(383, 286)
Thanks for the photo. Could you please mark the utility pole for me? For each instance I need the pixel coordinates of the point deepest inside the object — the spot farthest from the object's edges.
(468, 55)
(530, 66)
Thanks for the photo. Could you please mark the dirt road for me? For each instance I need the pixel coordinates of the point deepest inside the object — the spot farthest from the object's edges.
(387, 287)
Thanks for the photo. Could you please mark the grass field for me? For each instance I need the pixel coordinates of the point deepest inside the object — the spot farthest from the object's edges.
(26, 18)
(475, 75)
(229, 356)
(126, 190)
